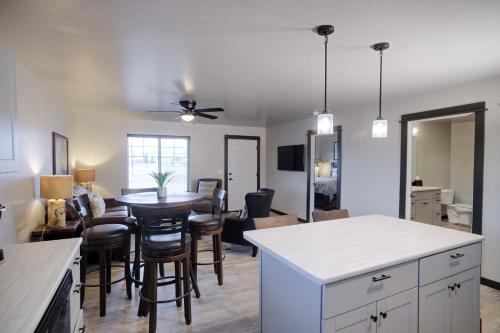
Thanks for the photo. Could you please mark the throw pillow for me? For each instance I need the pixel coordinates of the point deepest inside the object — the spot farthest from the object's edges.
(71, 212)
(98, 206)
(207, 188)
(244, 213)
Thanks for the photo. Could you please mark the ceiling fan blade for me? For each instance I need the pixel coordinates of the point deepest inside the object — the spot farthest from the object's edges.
(210, 110)
(209, 116)
(165, 111)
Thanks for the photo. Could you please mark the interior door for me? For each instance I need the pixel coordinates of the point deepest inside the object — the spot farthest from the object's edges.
(355, 321)
(242, 171)
(398, 313)
(435, 307)
(465, 302)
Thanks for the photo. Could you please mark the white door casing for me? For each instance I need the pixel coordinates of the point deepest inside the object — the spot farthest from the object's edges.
(242, 171)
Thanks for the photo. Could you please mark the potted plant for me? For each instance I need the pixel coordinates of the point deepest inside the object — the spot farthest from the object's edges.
(162, 179)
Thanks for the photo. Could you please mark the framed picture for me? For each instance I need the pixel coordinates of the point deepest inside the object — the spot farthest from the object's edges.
(60, 158)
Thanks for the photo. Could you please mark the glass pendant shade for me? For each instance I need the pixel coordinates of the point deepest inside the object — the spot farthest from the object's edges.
(187, 117)
(379, 129)
(325, 123)
(415, 131)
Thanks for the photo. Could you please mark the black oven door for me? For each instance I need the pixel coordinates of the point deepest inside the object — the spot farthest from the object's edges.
(57, 317)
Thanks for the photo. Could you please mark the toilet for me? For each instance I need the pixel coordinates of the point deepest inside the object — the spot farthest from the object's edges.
(460, 213)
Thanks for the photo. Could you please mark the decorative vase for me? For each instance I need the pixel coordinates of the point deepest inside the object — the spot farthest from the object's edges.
(162, 192)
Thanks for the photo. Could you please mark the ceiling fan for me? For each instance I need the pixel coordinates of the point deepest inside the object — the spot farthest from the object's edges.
(189, 111)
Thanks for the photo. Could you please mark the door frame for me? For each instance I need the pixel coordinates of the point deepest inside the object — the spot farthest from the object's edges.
(477, 200)
(228, 137)
(310, 133)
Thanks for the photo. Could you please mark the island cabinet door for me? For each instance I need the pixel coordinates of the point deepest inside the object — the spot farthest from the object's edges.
(361, 320)
(435, 307)
(465, 302)
(398, 313)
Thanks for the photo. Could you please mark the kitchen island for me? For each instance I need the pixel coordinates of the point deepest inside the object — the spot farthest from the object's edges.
(368, 274)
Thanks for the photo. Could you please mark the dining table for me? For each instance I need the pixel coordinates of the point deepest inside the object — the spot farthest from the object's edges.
(151, 199)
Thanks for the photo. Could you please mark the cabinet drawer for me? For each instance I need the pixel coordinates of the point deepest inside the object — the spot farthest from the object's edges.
(445, 264)
(349, 294)
(80, 325)
(75, 289)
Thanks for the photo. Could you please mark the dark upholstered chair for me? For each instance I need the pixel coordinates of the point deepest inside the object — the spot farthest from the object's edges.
(258, 205)
(319, 216)
(204, 206)
(209, 225)
(164, 239)
(102, 238)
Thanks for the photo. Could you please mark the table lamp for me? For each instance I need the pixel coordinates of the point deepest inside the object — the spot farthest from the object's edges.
(56, 188)
(85, 177)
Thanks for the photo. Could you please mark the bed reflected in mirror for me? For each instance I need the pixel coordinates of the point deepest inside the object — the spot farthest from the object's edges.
(326, 165)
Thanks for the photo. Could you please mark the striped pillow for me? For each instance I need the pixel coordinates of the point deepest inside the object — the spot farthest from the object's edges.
(207, 188)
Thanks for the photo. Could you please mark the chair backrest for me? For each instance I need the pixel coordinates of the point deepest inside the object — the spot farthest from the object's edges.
(154, 221)
(258, 204)
(126, 190)
(336, 214)
(267, 190)
(218, 202)
(218, 180)
(82, 205)
(275, 221)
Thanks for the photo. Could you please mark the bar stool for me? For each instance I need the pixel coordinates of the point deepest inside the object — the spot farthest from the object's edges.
(102, 239)
(209, 225)
(164, 239)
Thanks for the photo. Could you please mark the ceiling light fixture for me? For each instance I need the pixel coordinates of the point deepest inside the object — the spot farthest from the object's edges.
(187, 117)
(379, 129)
(416, 130)
(325, 119)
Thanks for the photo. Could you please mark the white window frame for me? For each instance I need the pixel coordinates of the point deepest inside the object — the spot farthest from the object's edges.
(159, 137)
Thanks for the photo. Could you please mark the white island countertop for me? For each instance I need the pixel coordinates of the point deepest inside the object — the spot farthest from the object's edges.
(29, 277)
(336, 250)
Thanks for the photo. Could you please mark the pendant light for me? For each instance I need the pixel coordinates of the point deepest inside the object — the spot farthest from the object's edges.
(325, 119)
(379, 129)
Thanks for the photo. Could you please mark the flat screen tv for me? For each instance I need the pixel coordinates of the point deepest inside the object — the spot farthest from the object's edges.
(291, 158)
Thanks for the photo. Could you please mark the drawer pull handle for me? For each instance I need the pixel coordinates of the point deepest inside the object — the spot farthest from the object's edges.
(77, 289)
(383, 315)
(457, 285)
(451, 288)
(77, 260)
(383, 277)
(456, 256)
(374, 318)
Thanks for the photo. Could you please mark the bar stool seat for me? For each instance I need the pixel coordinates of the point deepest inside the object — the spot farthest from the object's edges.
(105, 233)
(162, 245)
(205, 221)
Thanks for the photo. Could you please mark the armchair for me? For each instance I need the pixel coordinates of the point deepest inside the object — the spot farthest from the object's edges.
(258, 205)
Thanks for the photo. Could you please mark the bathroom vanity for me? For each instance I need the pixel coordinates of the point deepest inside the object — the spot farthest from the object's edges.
(368, 274)
(426, 204)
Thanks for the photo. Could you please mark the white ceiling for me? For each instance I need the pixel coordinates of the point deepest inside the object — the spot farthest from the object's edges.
(258, 59)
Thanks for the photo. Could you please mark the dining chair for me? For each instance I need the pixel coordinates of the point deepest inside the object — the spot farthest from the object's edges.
(209, 225)
(164, 239)
(275, 221)
(319, 216)
(102, 238)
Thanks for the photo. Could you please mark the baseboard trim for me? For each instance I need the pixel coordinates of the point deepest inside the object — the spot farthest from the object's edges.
(490, 283)
(282, 213)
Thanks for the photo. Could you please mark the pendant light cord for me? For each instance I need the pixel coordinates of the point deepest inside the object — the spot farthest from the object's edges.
(326, 67)
(380, 89)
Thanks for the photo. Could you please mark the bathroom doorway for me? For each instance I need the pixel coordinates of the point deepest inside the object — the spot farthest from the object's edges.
(442, 167)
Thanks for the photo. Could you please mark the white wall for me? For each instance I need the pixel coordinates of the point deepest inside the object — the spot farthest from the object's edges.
(101, 142)
(462, 161)
(39, 113)
(370, 168)
(432, 153)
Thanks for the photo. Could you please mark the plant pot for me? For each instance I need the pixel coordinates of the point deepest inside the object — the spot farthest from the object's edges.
(162, 192)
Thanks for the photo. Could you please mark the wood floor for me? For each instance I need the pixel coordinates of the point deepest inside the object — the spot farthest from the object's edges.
(234, 307)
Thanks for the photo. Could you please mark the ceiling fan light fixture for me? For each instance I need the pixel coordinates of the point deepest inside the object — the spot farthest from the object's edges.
(325, 119)
(187, 117)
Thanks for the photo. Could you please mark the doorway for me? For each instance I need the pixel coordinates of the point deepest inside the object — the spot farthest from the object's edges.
(324, 160)
(442, 158)
(241, 168)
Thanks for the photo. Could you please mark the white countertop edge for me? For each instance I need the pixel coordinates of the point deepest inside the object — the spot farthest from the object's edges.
(366, 269)
(36, 317)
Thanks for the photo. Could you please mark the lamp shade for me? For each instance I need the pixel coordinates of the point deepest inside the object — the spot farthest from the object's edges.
(85, 175)
(325, 123)
(379, 129)
(56, 187)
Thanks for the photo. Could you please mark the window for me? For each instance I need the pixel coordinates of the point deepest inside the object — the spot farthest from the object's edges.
(147, 153)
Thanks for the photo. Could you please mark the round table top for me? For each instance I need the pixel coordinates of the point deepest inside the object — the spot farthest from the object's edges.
(151, 199)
